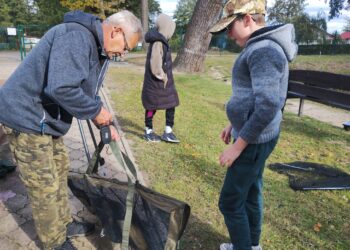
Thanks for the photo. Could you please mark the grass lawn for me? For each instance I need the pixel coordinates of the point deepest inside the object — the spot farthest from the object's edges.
(190, 171)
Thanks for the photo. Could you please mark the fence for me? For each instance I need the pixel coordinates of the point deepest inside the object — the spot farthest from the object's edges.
(324, 49)
(221, 42)
(7, 42)
(26, 37)
(29, 36)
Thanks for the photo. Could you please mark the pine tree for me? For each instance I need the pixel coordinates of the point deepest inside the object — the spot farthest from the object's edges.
(183, 14)
(101, 8)
(5, 19)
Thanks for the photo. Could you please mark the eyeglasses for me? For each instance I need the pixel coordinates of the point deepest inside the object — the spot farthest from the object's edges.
(239, 17)
(229, 27)
(126, 47)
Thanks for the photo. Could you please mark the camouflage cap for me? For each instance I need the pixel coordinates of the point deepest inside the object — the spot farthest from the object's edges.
(233, 8)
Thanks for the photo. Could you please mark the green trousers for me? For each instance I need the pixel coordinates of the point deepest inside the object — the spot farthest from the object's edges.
(43, 164)
(241, 199)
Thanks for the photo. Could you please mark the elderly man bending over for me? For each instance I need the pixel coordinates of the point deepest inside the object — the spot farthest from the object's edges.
(56, 82)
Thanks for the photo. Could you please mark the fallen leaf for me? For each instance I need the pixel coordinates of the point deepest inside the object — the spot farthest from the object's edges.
(317, 227)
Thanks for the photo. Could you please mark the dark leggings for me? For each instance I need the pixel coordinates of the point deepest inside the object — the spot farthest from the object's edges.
(169, 117)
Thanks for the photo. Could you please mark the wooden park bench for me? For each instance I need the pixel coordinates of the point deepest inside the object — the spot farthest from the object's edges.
(322, 87)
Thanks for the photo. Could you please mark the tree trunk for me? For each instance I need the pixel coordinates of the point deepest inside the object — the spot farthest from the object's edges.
(144, 19)
(192, 54)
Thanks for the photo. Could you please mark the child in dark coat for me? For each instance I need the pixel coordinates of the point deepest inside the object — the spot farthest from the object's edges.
(159, 92)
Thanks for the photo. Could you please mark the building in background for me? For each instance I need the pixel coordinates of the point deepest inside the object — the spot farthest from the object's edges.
(345, 36)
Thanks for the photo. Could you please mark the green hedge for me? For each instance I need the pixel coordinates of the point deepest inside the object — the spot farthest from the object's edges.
(326, 49)
(4, 46)
(221, 42)
(7, 42)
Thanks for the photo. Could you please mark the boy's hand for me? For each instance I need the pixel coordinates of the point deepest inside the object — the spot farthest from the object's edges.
(229, 155)
(226, 134)
(232, 152)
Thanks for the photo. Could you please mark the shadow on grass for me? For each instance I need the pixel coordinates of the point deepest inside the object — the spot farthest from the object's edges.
(310, 128)
(130, 127)
(211, 175)
(196, 229)
(200, 234)
(209, 171)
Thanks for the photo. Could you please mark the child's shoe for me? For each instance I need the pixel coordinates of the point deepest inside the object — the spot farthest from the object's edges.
(151, 136)
(169, 137)
(227, 246)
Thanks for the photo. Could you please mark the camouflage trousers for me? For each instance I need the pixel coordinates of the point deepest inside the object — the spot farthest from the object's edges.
(43, 164)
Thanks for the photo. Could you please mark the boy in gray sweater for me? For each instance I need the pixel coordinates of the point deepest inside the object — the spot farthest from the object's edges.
(259, 86)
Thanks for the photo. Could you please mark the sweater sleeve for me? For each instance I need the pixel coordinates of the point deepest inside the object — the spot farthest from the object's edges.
(157, 62)
(266, 67)
(69, 66)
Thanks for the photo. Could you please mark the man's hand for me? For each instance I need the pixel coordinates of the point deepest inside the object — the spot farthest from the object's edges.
(114, 134)
(226, 134)
(103, 118)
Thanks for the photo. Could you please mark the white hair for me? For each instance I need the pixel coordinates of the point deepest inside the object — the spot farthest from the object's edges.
(127, 20)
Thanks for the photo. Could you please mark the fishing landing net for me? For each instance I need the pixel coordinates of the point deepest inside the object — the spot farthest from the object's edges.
(312, 176)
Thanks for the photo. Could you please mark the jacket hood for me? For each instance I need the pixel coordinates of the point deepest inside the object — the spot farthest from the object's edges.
(284, 35)
(91, 22)
(165, 25)
(154, 36)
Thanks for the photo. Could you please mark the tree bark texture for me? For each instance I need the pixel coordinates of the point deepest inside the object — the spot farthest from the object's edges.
(144, 19)
(192, 54)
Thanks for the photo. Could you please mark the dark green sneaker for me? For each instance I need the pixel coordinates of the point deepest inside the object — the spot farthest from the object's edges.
(77, 228)
(67, 245)
(6, 167)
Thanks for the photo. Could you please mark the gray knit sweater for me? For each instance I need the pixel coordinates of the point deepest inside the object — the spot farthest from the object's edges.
(259, 84)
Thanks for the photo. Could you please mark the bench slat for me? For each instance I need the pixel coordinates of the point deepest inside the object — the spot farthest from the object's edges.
(326, 96)
(321, 79)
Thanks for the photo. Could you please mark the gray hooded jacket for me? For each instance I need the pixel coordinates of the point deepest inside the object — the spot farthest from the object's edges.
(260, 82)
(57, 80)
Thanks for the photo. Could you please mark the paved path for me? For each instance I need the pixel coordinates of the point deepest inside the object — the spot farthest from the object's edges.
(16, 228)
(321, 112)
